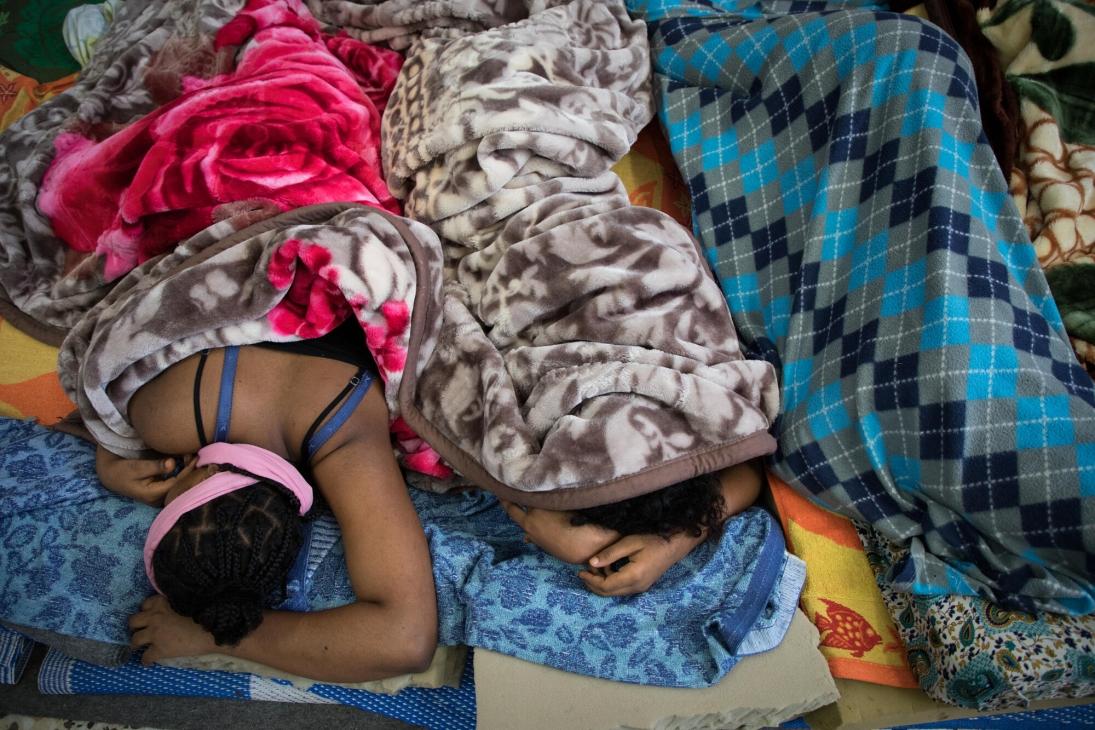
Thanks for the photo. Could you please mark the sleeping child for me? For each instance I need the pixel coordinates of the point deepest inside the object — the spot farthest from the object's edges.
(628, 546)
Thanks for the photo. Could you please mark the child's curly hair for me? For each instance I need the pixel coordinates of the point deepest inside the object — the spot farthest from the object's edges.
(691, 506)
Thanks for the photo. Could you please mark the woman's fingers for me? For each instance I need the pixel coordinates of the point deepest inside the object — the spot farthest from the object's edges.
(137, 469)
(138, 621)
(153, 602)
(142, 637)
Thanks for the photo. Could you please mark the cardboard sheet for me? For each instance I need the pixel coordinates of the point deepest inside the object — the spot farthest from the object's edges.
(762, 690)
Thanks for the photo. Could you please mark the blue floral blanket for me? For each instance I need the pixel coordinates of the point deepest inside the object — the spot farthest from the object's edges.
(70, 563)
(863, 235)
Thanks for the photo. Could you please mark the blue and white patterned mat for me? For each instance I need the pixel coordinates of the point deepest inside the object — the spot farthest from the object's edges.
(439, 707)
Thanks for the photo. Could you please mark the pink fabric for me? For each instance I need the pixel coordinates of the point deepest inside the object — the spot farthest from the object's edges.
(296, 123)
(254, 459)
(315, 302)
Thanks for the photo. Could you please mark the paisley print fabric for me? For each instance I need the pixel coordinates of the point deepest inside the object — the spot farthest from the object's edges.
(969, 652)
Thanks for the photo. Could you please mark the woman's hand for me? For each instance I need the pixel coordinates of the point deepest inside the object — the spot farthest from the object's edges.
(166, 634)
(551, 531)
(648, 557)
(145, 480)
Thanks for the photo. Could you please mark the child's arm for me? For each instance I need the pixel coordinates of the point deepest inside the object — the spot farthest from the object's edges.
(145, 480)
(649, 556)
(552, 532)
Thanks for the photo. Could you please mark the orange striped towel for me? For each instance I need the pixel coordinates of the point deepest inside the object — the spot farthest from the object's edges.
(651, 178)
(858, 637)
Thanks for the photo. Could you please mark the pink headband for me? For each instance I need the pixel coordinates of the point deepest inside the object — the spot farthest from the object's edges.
(254, 459)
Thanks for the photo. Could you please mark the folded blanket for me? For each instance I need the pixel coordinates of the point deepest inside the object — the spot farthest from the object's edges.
(434, 708)
(15, 651)
(858, 637)
(70, 563)
(864, 238)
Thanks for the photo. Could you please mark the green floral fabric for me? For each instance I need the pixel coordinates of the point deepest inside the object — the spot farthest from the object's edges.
(30, 38)
(968, 652)
(1047, 48)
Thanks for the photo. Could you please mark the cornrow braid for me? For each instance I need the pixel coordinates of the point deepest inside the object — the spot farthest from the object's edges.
(220, 563)
(691, 506)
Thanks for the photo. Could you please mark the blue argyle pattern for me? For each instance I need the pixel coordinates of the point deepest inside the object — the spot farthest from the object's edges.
(862, 232)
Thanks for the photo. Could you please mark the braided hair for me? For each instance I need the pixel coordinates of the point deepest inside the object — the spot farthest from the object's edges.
(221, 562)
(691, 506)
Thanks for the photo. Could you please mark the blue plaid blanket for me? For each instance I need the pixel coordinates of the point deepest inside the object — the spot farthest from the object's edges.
(863, 235)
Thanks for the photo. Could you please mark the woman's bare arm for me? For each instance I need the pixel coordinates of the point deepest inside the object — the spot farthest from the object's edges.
(146, 480)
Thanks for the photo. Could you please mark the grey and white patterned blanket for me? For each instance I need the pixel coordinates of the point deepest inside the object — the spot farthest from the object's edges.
(617, 343)
(556, 345)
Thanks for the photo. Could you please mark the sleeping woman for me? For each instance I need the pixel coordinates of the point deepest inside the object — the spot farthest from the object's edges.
(230, 528)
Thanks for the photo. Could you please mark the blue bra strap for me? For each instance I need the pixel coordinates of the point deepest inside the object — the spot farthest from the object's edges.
(224, 398)
(314, 442)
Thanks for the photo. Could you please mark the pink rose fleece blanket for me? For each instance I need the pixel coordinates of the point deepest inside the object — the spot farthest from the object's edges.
(188, 115)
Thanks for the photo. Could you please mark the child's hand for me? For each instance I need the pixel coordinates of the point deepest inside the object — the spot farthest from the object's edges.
(145, 480)
(551, 531)
(166, 634)
(648, 557)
